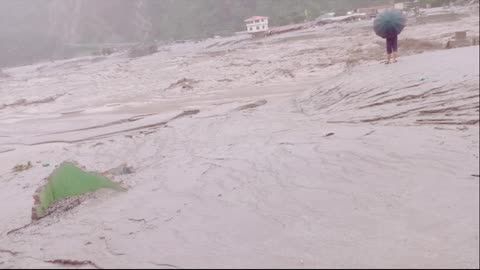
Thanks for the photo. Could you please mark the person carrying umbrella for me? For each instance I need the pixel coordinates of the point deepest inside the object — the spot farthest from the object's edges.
(388, 25)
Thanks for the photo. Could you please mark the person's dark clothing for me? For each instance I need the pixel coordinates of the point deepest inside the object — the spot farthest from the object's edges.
(392, 44)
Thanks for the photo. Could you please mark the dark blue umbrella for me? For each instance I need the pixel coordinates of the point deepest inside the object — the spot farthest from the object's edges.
(389, 23)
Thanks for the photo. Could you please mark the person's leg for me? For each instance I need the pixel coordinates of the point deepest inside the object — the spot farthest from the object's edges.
(389, 50)
(395, 48)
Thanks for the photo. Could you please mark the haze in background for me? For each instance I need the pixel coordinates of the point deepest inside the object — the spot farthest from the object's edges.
(33, 30)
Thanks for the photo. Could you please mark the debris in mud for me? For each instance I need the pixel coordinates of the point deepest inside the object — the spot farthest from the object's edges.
(104, 52)
(64, 205)
(252, 105)
(138, 220)
(73, 263)
(330, 134)
(163, 265)
(460, 40)
(13, 253)
(285, 72)
(25, 102)
(186, 113)
(97, 144)
(143, 49)
(65, 183)
(287, 28)
(225, 80)
(217, 53)
(121, 170)
(5, 150)
(22, 167)
(184, 83)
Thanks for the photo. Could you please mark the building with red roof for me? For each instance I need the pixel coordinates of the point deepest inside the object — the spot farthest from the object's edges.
(257, 24)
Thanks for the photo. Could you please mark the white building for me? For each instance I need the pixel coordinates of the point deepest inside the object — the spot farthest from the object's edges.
(400, 6)
(257, 24)
(407, 5)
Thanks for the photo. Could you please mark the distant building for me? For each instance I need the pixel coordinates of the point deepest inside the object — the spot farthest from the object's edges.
(257, 25)
(404, 5)
(400, 6)
(326, 16)
(373, 11)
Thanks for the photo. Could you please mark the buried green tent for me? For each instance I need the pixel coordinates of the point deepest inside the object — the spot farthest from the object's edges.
(389, 23)
(66, 181)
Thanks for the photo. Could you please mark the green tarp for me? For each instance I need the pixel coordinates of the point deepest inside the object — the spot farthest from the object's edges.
(66, 181)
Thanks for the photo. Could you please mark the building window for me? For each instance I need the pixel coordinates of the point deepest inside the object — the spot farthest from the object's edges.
(257, 21)
(258, 27)
(250, 29)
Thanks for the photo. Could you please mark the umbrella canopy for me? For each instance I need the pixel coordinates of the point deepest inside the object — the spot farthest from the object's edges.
(389, 23)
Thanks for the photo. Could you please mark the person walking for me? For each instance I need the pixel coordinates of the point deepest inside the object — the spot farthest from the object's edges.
(388, 25)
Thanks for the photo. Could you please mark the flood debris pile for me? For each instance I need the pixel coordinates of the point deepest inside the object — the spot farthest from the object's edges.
(143, 49)
(66, 182)
(22, 167)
